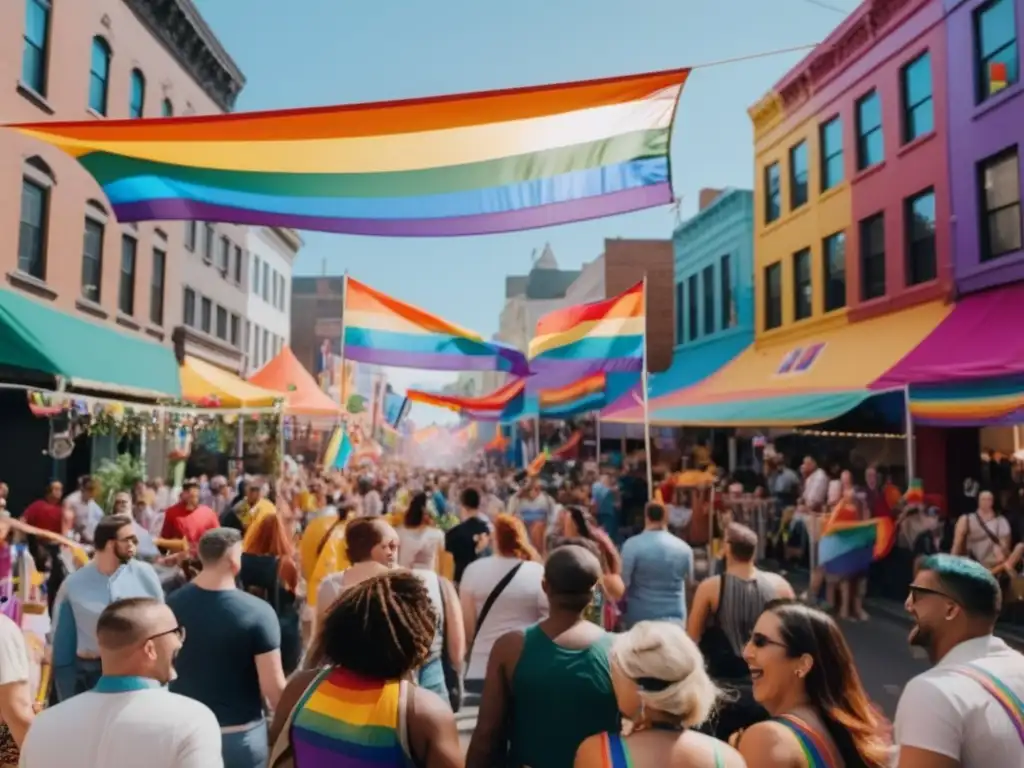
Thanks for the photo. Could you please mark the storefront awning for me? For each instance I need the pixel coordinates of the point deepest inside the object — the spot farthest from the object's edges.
(979, 339)
(203, 383)
(690, 365)
(302, 395)
(998, 401)
(801, 381)
(88, 355)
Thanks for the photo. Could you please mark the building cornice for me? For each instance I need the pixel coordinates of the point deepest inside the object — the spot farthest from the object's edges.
(181, 28)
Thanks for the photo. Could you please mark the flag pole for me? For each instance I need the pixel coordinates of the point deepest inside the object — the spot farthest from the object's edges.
(647, 413)
(911, 468)
(597, 439)
(343, 384)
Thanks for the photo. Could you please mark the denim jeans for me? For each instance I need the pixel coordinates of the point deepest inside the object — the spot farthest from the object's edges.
(246, 749)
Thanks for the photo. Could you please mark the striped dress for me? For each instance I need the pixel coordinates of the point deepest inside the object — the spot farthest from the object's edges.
(346, 721)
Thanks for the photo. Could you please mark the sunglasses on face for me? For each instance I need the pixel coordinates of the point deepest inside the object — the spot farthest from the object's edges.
(759, 640)
(916, 592)
(179, 631)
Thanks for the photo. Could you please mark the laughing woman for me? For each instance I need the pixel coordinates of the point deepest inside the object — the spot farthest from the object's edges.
(803, 673)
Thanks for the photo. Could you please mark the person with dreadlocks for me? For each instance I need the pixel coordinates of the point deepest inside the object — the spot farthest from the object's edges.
(360, 709)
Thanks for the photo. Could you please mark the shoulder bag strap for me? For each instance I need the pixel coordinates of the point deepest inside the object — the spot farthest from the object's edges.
(988, 531)
(489, 602)
(1007, 699)
(327, 536)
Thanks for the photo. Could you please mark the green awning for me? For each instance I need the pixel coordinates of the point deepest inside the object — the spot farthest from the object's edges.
(88, 355)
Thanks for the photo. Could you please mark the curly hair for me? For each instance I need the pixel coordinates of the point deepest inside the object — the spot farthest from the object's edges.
(511, 539)
(381, 628)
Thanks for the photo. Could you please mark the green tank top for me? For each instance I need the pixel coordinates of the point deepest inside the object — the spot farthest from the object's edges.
(559, 698)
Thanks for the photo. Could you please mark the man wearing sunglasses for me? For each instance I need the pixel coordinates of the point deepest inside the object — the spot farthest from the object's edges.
(966, 710)
(130, 719)
(113, 574)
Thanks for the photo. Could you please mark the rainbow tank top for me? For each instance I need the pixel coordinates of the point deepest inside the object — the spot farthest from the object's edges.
(346, 721)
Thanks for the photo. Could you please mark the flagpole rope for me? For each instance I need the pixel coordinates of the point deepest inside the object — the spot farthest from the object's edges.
(752, 56)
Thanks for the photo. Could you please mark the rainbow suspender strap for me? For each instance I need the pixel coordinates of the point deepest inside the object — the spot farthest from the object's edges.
(1008, 700)
(817, 750)
(615, 753)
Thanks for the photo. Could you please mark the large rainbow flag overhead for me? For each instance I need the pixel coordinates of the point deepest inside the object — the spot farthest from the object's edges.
(466, 164)
(603, 336)
(385, 331)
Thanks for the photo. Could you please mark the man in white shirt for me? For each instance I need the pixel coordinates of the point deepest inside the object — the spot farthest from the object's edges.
(87, 512)
(815, 485)
(951, 716)
(130, 719)
(15, 695)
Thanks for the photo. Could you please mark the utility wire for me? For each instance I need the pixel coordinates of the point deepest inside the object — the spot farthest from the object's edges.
(828, 6)
(749, 57)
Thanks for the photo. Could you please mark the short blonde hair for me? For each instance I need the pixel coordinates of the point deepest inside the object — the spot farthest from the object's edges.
(661, 652)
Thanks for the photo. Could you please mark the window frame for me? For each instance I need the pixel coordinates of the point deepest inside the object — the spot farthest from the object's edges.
(680, 312)
(136, 111)
(864, 255)
(981, 62)
(101, 227)
(827, 156)
(166, 108)
(692, 309)
(37, 81)
(862, 135)
(910, 278)
(189, 308)
(986, 254)
(126, 277)
(906, 108)
(826, 270)
(157, 287)
(206, 315)
(29, 179)
(707, 279)
(221, 313)
(770, 194)
(795, 184)
(209, 242)
(773, 270)
(802, 258)
(100, 42)
(725, 289)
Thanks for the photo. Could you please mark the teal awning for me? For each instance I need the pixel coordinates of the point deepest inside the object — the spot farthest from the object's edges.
(88, 355)
(782, 411)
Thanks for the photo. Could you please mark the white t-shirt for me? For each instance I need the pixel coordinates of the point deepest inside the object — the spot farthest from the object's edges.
(14, 667)
(151, 728)
(419, 547)
(521, 604)
(951, 714)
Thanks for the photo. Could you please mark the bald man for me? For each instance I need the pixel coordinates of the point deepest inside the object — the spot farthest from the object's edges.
(553, 678)
(130, 719)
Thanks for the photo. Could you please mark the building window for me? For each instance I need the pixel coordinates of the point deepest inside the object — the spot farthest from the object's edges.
(274, 288)
(156, 287)
(206, 315)
(137, 100)
(126, 286)
(235, 323)
(224, 256)
(238, 265)
(99, 76)
(870, 148)
(256, 361)
(35, 206)
(266, 282)
(773, 296)
(772, 193)
(266, 345)
(995, 40)
(919, 220)
(999, 180)
(798, 175)
(208, 239)
(36, 44)
(189, 308)
(916, 90)
(831, 153)
(256, 275)
(833, 249)
(691, 308)
(872, 257)
(803, 304)
(680, 321)
(92, 260)
(708, 280)
(190, 236)
(166, 108)
(222, 323)
(725, 283)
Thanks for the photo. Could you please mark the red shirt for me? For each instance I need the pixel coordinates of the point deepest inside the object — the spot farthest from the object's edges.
(198, 522)
(46, 515)
(173, 517)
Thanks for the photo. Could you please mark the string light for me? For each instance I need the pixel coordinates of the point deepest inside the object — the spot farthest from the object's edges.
(864, 435)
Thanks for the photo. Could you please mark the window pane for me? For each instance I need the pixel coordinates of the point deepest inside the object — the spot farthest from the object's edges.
(872, 245)
(138, 95)
(773, 193)
(156, 288)
(922, 212)
(679, 313)
(835, 271)
(234, 331)
(1002, 181)
(798, 175)
(773, 296)
(691, 301)
(872, 150)
(995, 27)
(98, 75)
(167, 109)
(917, 80)
(725, 277)
(31, 234)
(831, 153)
(920, 120)
(126, 288)
(869, 113)
(256, 275)
(92, 260)
(708, 278)
(802, 299)
(190, 308)
(222, 323)
(206, 313)
(1004, 234)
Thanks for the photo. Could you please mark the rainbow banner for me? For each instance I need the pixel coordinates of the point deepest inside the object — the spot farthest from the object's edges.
(848, 549)
(603, 336)
(385, 331)
(339, 449)
(466, 164)
(582, 396)
(498, 400)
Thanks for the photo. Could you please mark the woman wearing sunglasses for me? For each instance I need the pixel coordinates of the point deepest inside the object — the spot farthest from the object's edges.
(803, 673)
(661, 687)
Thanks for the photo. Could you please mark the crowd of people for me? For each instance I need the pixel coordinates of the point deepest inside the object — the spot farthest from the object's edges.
(338, 619)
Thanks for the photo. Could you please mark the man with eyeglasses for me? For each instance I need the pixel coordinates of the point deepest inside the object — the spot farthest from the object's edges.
(113, 574)
(966, 710)
(129, 719)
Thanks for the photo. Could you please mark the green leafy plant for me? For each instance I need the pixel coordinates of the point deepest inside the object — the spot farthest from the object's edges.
(116, 476)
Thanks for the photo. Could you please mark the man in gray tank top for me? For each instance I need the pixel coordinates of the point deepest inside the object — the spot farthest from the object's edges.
(724, 612)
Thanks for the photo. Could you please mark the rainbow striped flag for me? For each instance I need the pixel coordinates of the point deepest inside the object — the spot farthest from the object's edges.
(582, 396)
(339, 449)
(382, 330)
(506, 399)
(603, 336)
(466, 164)
(847, 549)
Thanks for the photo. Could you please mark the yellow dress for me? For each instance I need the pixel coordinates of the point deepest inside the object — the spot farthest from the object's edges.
(310, 543)
(333, 558)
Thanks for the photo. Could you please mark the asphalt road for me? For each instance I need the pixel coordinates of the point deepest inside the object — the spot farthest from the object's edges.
(884, 660)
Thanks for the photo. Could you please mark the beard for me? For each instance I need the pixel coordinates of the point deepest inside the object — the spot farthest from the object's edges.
(125, 558)
(920, 636)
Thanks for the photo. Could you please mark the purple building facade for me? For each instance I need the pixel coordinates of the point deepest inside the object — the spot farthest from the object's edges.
(986, 140)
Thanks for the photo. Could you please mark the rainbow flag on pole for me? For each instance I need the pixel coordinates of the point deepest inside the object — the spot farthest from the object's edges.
(466, 164)
(382, 330)
(603, 336)
(339, 449)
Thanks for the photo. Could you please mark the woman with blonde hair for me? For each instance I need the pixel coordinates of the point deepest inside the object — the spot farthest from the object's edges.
(500, 593)
(662, 689)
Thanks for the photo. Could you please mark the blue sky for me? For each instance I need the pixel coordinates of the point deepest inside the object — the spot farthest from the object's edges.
(314, 52)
